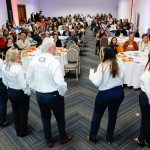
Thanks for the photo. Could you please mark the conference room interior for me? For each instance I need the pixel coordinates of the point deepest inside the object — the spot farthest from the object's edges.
(84, 28)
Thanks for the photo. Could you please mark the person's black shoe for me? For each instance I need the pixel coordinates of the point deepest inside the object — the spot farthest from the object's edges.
(28, 131)
(5, 124)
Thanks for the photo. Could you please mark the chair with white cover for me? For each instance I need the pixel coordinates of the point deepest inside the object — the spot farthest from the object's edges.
(103, 41)
(76, 47)
(70, 42)
(73, 63)
(2, 54)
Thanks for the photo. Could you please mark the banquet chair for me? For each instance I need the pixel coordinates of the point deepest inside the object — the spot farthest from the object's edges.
(76, 47)
(103, 41)
(70, 43)
(73, 63)
(2, 55)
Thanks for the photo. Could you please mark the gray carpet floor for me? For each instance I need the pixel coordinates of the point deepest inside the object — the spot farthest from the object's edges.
(79, 104)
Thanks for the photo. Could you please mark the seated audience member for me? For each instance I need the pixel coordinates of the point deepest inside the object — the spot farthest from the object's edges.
(66, 32)
(6, 35)
(37, 38)
(18, 92)
(23, 43)
(130, 45)
(114, 43)
(57, 41)
(126, 24)
(148, 33)
(144, 45)
(3, 100)
(2, 42)
(56, 31)
(10, 44)
(73, 36)
(121, 30)
(13, 34)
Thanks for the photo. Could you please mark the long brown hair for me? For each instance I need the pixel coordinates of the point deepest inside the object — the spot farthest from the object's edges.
(148, 63)
(109, 55)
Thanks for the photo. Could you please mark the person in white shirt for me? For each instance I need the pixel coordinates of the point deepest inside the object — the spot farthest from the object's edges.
(144, 101)
(3, 100)
(23, 43)
(45, 76)
(18, 91)
(109, 80)
(144, 45)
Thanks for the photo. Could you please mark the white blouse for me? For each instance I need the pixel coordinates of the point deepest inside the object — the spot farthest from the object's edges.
(103, 79)
(145, 83)
(144, 47)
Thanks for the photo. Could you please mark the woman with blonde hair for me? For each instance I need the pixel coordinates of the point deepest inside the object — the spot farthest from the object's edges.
(18, 92)
(109, 78)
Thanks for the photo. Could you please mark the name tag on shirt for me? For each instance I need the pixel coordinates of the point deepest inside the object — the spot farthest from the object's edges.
(42, 59)
(7, 68)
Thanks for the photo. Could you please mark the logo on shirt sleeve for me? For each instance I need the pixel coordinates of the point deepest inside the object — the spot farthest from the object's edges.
(42, 59)
(7, 68)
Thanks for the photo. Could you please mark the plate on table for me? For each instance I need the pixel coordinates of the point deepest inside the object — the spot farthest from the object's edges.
(128, 60)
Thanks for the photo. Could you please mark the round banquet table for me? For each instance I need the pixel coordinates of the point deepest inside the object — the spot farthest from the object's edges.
(89, 21)
(135, 62)
(121, 41)
(27, 59)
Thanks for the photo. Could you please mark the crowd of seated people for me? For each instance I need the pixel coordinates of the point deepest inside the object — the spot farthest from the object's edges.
(31, 31)
(106, 26)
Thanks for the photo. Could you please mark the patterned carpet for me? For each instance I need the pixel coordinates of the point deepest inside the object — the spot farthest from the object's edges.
(79, 104)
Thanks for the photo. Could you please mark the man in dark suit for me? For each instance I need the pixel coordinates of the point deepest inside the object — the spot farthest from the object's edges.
(66, 32)
(32, 16)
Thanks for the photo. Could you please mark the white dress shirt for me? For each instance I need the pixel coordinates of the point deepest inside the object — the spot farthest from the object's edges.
(14, 77)
(105, 80)
(145, 83)
(1, 65)
(45, 75)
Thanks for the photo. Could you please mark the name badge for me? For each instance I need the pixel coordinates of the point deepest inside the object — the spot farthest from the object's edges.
(42, 59)
(7, 68)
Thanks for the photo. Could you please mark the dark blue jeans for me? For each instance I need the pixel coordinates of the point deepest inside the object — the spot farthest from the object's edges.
(54, 102)
(145, 120)
(112, 99)
(20, 107)
(3, 102)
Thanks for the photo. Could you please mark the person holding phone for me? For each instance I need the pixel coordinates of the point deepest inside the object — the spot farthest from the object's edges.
(109, 80)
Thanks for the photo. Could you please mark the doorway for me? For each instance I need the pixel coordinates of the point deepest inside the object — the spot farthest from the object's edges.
(22, 13)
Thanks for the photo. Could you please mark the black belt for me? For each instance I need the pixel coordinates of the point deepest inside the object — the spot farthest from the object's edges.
(54, 93)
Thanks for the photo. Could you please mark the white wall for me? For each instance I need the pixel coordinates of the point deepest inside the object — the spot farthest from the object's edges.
(31, 6)
(3, 12)
(143, 8)
(124, 9)
(57, 8)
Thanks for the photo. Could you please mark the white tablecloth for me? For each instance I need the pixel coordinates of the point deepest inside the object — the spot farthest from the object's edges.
(26, 60)
(89, 21)
(121, 41)
(134, 69)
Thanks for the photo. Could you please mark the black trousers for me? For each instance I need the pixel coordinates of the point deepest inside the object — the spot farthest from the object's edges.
(20, 107)
(145, 120)
(54, 102)
(3, 102)
(112, 99)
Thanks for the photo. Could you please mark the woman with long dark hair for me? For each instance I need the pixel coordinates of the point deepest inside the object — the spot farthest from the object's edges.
(144, 101)
(109, 79)
(114, 43)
